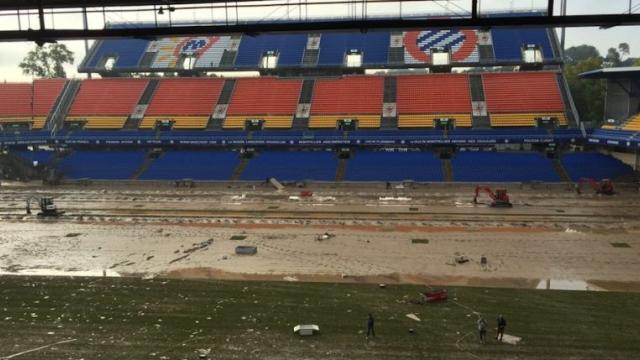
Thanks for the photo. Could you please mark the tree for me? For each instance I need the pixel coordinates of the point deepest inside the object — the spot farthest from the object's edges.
(575, 54)
(624, 49)
(588, 95)
(637, 62)
(47, 61)
(612, 59)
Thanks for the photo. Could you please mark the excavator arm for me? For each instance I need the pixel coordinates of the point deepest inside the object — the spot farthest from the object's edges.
(498, 199)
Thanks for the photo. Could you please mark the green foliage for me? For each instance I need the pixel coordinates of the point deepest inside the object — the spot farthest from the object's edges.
(624, 49)
(612, 59)
(575, 54)
(588, 95)
(47, 61)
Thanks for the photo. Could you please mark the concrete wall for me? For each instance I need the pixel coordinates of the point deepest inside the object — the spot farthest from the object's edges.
(620, 106)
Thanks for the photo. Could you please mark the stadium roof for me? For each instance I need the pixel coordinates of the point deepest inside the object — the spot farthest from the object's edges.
(631, 72)
(34, 4)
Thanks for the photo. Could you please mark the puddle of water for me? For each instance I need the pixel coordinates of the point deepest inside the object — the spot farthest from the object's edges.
(55, 272)
(575, 285)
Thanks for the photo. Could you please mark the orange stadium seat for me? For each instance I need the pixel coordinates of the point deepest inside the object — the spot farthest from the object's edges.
(270, 99)
(106, 103)
(423, 98)
(188, 102)
(351, 97)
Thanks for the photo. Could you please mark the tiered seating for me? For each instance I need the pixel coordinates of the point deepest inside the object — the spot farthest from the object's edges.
(374, 46)
(41, 157)
(289, 48)
(29, 103)
(196, 165)
(100, 164)
(517, 99)
(394, 166)
(633, 124)
(292, 166)
(273, 100)
(128, 53)
(502, 167)
(352, 97)
(188, 102)
(508, 42)
(106, 103)
(595, 165)
(423, 98)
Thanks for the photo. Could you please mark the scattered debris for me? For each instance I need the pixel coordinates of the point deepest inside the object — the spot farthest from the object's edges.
(431, 297)
(510, 339)
(199, 246)
(382, 286)
(38, 348)
(276, 184)
(620, 245)
(239, 197)
(203, 353)
(461, 259)
(290, 278)
(72, 235)
(394, 198)
(325, 236)
(413, 317)
(237, 237)
(306, 330)
(419, 241)
(246, 250)
(178, 259)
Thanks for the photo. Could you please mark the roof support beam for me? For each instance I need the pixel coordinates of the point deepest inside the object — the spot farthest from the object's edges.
(44, 35)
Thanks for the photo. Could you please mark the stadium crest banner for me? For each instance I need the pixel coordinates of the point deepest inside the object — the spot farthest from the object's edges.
(207, 50)
(463, 45)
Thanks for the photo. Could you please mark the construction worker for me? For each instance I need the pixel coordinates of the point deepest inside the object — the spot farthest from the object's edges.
(482, 329)
(502, 323)
(370, 326)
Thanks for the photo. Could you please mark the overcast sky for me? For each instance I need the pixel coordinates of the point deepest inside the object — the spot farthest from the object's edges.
(11, 53)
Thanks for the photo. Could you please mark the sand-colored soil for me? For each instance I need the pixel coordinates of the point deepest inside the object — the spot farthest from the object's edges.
(544, 240)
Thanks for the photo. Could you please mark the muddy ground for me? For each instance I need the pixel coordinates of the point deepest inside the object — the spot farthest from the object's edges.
(551, 238)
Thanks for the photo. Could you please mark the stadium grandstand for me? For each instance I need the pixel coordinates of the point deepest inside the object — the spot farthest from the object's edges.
(426, 105)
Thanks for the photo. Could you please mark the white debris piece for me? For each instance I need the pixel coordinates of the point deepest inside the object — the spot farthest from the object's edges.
(510, 339)
(413, 317)
(306, 330)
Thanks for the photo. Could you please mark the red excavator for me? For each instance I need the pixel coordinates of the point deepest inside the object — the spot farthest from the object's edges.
(604, 186)
(499, 199)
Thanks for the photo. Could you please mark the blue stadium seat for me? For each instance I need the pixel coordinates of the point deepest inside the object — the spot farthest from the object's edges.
(394, 166)
(197, 165)
(374, 46)
(42, 157)
(292, 166)
(508, 43)
(101, 164)
(129, 52)
(502, 167)
(594, 165)
(289, 46)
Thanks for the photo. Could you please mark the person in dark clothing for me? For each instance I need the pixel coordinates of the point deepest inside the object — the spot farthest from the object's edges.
(482, 330)
(502, 323)
(370, 326)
